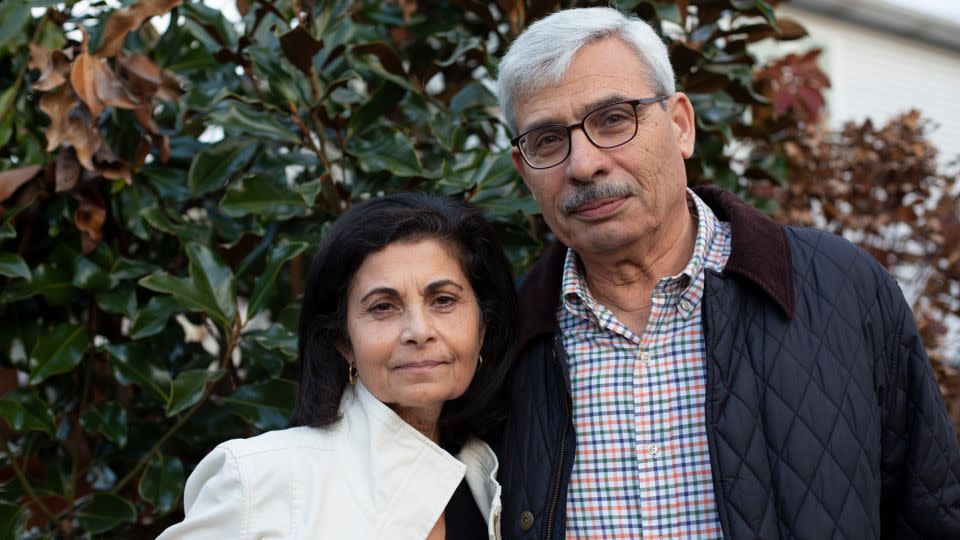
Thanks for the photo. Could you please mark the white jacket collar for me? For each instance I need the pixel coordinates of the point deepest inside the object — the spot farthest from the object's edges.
(391, 467)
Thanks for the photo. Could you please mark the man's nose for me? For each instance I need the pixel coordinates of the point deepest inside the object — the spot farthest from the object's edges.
(585, 160)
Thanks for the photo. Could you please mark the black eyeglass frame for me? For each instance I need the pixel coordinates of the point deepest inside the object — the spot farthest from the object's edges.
(636, 126)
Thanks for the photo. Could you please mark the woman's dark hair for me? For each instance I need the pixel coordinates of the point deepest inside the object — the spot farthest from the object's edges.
(367, 228)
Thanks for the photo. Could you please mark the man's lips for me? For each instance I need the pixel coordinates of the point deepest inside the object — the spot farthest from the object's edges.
(599, 208)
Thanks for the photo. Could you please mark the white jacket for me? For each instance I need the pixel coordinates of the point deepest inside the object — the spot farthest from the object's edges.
(371, 475)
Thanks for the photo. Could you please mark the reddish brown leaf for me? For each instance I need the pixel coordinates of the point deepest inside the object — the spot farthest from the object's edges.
(143, 150)
(82, 133)
(67, 170)
(55, 105)
(170, 87)
(144, 116)
(299, 47)
(14, 178)
(387, 56)
(788, 29)
(109, 166)
(97, 86)
(53, 66)
(129, 18)
(164, 149)
(89, 219)
(143, 78)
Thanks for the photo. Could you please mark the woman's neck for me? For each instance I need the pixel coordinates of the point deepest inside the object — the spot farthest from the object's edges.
(424, 420)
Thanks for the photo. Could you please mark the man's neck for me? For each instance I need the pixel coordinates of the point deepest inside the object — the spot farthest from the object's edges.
(625, 281)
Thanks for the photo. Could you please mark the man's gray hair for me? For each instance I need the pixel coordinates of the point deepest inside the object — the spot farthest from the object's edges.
(542, 54)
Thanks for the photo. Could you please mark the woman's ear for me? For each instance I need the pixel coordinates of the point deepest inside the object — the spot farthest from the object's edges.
(345, 351)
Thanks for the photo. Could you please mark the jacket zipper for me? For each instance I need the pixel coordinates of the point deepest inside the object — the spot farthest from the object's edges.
(563, 445)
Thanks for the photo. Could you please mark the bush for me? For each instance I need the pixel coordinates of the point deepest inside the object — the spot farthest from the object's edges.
(165, 172)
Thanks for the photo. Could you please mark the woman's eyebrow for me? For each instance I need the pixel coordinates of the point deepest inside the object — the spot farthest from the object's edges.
(440, 283)
(388, 291)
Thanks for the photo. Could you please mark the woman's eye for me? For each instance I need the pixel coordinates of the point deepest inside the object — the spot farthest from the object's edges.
(381, 308)
(445, 302)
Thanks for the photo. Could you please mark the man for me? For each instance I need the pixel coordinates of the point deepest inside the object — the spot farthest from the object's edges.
(687, 367)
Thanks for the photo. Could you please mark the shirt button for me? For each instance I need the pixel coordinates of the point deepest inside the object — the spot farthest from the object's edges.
(645, 358)
(652, 449)
(684, 305)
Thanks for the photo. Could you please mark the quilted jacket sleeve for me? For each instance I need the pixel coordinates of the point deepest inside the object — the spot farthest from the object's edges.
(213, 501)
(920, 461)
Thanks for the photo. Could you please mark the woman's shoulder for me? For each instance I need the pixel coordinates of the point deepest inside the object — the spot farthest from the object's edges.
(282, 440)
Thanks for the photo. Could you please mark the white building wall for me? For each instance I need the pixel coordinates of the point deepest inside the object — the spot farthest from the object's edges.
(876, 74)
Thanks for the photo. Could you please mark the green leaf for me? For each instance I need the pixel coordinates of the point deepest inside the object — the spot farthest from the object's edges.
(24, 411)
(309, 191)
(188, 387)
(153, 318)
(50, 280)
(209, 288)
(11, 265)
(122, 300)
(12, 519)
(87, 275)
(249, 121)
(277, 337)
(390, 151)
(106, 512)
(265, 405)
(14, 15)
(131, 365)
(283, 252)
(162, 483)
(107, 418)
(212, 167)
(263, 197)
(474, 94)
(57, 352)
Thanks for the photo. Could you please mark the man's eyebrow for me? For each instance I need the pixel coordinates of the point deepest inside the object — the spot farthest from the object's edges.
(582, 111)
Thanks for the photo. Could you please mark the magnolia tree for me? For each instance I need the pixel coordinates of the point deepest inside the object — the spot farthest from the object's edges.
(165, 173)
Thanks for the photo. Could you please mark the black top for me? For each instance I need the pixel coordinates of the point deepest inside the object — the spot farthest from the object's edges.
(463, 519)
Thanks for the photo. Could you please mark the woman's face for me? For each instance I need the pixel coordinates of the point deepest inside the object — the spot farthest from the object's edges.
(414, 327)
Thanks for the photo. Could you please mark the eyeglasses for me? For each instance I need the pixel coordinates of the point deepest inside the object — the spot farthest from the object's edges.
(609, 126)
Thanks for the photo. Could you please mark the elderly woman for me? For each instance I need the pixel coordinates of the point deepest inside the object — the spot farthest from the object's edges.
(407, 319)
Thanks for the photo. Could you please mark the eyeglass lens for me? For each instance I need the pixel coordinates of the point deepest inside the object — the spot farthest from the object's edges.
(606, 127)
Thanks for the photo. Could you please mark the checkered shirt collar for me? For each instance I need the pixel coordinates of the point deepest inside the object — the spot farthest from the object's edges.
(578, 300)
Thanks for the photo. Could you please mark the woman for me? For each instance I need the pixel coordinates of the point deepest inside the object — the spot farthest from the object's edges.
(407, 319)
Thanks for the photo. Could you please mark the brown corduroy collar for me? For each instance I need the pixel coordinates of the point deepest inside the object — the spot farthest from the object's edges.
(760, 253)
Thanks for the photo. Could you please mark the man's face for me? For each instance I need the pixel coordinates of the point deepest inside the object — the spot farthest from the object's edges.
(603, 201)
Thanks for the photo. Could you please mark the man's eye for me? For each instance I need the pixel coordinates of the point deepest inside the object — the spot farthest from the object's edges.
(548, 140)
(613, 119)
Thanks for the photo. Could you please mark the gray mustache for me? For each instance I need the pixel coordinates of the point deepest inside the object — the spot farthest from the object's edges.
(593, 192)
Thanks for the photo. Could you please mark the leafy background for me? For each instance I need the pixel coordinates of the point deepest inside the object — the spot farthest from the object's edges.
(164, 173)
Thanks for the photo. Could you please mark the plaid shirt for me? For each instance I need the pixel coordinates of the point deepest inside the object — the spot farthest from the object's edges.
(642, 468)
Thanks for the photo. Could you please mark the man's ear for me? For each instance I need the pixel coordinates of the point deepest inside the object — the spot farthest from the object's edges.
(519, 166)
(684, 123)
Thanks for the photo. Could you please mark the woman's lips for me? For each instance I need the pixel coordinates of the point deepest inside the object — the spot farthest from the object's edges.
(599, 208)
(416, 367)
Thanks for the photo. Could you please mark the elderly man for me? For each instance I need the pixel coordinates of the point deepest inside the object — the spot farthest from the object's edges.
(688, 368)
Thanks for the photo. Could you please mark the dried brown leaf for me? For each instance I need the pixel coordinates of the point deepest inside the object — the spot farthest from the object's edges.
(53, 66)
(67, 170)
(129, 18)
(56, 105)
(89, 219)
(14, 178)
(144, 116)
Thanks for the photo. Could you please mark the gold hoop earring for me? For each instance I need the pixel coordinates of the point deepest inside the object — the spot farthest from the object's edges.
(480, 361)
(352, 374)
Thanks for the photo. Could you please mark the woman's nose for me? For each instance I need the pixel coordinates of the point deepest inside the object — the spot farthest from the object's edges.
(418, 327)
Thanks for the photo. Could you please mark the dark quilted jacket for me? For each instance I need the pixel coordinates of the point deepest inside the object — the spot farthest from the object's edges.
(823, 416)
